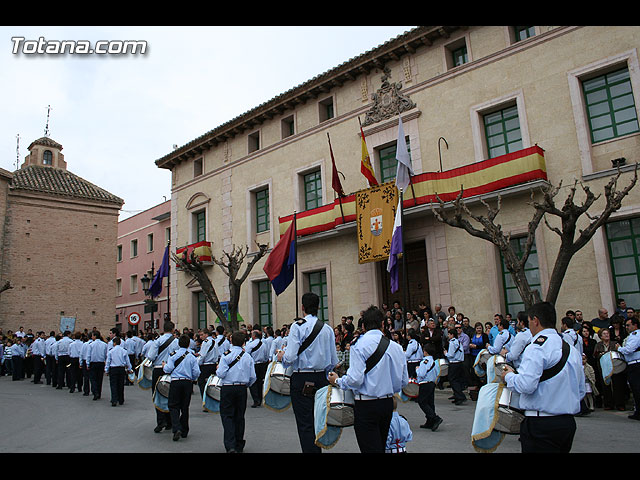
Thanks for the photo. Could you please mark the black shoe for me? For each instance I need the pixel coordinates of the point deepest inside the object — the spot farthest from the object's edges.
(176, 436)
(436, 424)
(158, 428)
(635, 416)
(85, 394)
(425, 425)
(113, 404)
(71, 390)
(95, 397)
(460, 402)
(183, 435)
(231, 451)
(255, 405)
(58, 388)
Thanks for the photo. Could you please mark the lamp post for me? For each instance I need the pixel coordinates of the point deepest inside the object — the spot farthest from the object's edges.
(150, 304)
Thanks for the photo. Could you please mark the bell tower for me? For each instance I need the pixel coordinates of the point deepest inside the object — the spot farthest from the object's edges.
(45, 152)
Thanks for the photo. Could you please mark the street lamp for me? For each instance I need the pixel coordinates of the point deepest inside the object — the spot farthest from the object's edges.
(150, 304)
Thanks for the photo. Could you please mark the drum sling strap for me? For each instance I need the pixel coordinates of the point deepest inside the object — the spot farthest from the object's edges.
(314, 333)
(235, 360)
(165, 344)
(375, 357)
(553, 371)
(178, 361)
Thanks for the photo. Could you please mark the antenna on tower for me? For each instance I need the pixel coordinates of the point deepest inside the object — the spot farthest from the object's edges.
(17, 151)
(46, 127)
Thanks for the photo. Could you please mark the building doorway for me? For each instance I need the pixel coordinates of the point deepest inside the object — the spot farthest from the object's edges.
(418, 279)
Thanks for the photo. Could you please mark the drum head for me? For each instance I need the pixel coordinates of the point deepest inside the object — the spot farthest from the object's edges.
(164, 383)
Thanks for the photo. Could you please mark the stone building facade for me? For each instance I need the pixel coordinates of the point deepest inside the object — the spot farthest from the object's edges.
(58, 244)
(563, 97)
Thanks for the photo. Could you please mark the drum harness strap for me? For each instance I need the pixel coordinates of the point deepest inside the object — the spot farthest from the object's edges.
(236, 360)
(165, 344)
(553, 371)
(314, 333)
(375, 357)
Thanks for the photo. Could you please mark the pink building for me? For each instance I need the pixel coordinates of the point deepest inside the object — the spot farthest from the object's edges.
(141, 244)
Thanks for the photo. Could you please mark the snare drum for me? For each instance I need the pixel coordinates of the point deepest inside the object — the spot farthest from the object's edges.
(443, 363)
(163, 385)
(280, 379)
(509, 416)
(341, 405)
(618, 362)
(412, 388)
(212, 388)
(147, 369)
(483, 358)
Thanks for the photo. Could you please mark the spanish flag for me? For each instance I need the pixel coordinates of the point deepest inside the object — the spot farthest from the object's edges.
(365, 164)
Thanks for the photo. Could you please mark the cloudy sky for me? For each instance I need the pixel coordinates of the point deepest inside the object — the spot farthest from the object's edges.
(116, 114)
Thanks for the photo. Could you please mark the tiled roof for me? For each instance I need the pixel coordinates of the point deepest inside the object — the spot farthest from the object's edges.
(58, 181)
(47, 142)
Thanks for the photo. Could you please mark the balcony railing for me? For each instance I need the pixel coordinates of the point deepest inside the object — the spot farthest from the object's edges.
(478, 178)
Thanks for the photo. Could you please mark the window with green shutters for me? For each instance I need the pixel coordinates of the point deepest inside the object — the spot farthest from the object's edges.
(502, 131)
(388, 162)
(312, 190)
(611, 109)
(318, 285)
(523, 33)
(200, 231)
(264, 302)
(623, 239)
(513, 300)
(201, 310)
(460, 56)
(262, 210)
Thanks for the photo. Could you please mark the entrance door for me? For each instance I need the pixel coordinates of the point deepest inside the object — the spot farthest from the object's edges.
(418, 280)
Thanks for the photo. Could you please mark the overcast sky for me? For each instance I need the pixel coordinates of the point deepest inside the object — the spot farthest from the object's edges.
(116, 114)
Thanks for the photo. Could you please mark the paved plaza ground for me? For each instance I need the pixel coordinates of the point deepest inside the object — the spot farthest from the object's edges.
(41, 419)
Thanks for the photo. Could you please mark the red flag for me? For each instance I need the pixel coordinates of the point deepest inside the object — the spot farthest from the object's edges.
(335, 180)
(365, 164)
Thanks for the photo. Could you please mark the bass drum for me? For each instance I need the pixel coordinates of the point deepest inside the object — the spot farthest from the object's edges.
(411, 389)
(618, 362)
(341, 405)
(443, 363)
(280, 379)
(147, 369)
(163, 385)
(212, 388)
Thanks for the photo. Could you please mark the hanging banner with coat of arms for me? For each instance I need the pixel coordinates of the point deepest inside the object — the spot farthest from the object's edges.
(375, 214)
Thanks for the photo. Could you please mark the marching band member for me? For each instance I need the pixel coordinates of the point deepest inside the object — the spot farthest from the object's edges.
(503, 339)
(373, 389)
(158, 352)
(631, 350)
(413, 352)
(550, 382)
(182, 364)
(311, 365)
(426, 376)
(96, 358)
(236, 371)
(207, 359)
(455, 355)
(569, 334)
(116, 367)
(259, 351)
(514, 353)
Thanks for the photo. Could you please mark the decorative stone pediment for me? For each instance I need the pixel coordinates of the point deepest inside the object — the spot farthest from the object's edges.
(388, 101)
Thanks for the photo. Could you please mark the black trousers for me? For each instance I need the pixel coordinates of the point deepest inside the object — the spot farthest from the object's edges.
(205, 372)
(86, 379)
(50, 372)
(547, 434)
(426, 401)
(633, 377)
(75, 375)
(233, 404)
(38, 368)
(457, 380)
(179, 401)
(17, 367)
(256, 388)
(116, 384)
(303, 407)
(371, 424)
(411, 369)
(96, 375)
(162, 418)
(63, 370)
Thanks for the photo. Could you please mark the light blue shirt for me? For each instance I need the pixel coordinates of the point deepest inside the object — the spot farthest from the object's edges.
(63, 347)
(17, 350)
(399, 433)
(117, 357)
(320, 355)
(414, 351)
(258, 350)
(502, 340)
(187, 368)
(630, 347)
(427, 371)
(276, 345)
(455, 352)
(49, 343)
(130, 345)
(571, 337)
(208, 352)
(387, 378)
(139, 345)
(158, 358)
(243, 372)
(222, 343)
(84, 351)
(559, 395)
(522, 339)
(97, 352)
(75, 348)
(38, 347)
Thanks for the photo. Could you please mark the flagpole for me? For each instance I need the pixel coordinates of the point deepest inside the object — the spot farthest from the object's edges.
(295, 248)
(169, 284)
(405, 292)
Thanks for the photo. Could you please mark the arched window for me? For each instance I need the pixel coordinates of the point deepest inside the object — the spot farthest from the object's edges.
(47, 158)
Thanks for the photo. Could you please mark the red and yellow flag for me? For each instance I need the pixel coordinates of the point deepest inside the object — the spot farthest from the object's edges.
(365, 164)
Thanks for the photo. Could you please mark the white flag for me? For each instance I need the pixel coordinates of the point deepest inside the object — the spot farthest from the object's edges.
(404, 172)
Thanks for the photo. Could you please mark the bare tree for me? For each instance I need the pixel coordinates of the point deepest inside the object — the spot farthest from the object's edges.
(569, 215)
(230, 264)
(6, 286)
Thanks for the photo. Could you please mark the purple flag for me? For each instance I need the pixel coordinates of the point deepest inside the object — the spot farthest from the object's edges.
(396, 249)
(156, 285)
